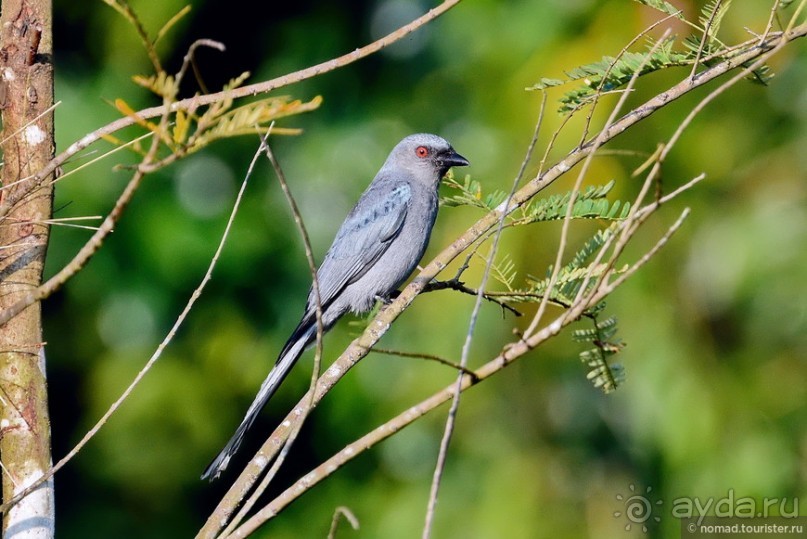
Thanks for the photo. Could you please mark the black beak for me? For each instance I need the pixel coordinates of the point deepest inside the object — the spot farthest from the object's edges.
(452, 159)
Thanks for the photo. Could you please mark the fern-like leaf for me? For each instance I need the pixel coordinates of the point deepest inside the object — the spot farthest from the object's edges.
(604, 375)
(504, 272)
(252, 118)
(664, 7)
(571, 277)
(171, 22)
(611, 73)
(589, 204)
(470, 194)
(162, 84)
(712, 15)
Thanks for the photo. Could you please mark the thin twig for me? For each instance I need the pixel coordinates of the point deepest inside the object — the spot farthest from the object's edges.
(122, 7)
(673, 194)
(30, 122)
(154, 357)
(301, 412)
(706, 30)
(466, 347)
(244, 91)
(459, 286)
(61, 221)
(187, 61)
(769, 26)
(791, 25)
(340, 513)
(102, 156)
(429, 357)
(379, 325)
(613, 285)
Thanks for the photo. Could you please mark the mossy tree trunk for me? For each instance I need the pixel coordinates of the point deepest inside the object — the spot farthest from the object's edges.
(26, 94)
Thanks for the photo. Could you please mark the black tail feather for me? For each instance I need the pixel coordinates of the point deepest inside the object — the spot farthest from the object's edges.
(297, 343)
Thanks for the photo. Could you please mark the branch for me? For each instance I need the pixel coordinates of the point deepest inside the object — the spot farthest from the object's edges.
(495, 365)
(316, 369)
(245, 91)
(157, 353)
(387, 315)
(428, 357)
(448, 431)
(459, 286)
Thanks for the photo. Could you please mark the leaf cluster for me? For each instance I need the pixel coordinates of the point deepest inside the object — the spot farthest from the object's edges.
(591, 203)
(577, 277)
(193, 130)
(190, 130)
(709, 49)
(602, 335)
(470, 194)
(611, 73)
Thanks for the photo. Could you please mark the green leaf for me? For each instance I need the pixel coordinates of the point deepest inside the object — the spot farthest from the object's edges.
(171, 22)
(609, 74)
(504, 272)
(604, 375)
(712, 15)
(470, 193)
(545, 83)
(664, 7)
(589, 204)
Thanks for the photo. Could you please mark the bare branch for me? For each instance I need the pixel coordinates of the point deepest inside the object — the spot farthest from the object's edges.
(244, 91)
(429, 357)
(157, 353)
(378, 326)
(457, 285)
(225, 508)
(511, 353)
(466, 347)
(345, 513)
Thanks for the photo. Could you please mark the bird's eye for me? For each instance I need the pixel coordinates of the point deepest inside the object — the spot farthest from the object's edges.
(422, 151)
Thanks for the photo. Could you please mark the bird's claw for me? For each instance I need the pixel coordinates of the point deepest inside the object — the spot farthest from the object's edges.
(386, 300)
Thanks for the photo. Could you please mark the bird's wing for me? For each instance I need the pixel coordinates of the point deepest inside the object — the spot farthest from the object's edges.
(365, 235)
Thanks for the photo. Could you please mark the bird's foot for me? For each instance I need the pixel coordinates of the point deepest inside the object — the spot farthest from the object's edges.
(386, 300)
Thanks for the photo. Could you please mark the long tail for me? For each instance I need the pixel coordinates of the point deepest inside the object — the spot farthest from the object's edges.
(299, 340)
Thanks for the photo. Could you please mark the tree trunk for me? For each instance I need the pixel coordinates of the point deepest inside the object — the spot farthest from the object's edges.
(26, 93)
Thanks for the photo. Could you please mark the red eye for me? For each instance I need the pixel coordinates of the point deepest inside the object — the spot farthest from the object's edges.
(422, 151)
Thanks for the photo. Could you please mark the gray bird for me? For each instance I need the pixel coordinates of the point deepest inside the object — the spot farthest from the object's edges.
(376, 248)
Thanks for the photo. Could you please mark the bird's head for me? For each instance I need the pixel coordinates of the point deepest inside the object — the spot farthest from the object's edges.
(425, 154)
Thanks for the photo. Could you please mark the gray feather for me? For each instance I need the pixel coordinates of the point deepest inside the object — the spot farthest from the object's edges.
(366, 234)
(374, 251)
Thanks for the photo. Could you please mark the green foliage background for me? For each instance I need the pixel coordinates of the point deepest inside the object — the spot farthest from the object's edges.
(715, 326)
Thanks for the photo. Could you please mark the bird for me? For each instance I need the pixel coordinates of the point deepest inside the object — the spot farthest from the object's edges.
(374, 251)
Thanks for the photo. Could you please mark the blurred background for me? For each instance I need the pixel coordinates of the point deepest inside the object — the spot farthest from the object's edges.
(716, 326)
